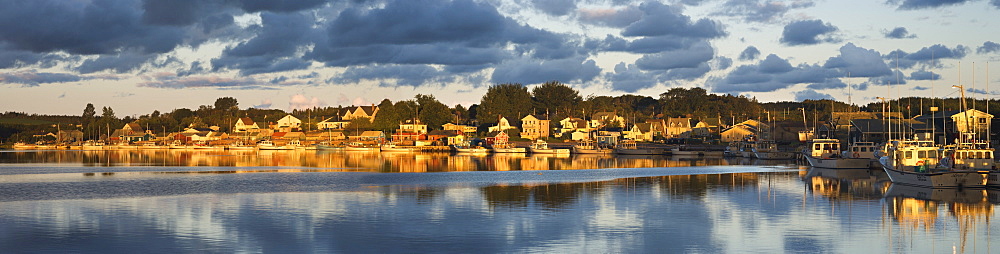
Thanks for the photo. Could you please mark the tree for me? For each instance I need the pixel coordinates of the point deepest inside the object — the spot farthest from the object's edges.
(504, 100)
(89, 112)
(226, 104)
(388, 116)
(556, 99)
(108, 113)
(433, 113)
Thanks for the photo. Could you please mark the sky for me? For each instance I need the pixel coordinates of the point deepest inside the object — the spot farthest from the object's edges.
(138, 56)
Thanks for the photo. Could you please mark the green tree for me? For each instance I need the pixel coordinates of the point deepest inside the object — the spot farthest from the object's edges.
(388, 117)
(108, 113)
(556, 99)
(226, 104)
(433, 113)
(89, 112)
(504, 100)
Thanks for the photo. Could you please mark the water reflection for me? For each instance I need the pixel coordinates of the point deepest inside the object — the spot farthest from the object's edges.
(362, 161)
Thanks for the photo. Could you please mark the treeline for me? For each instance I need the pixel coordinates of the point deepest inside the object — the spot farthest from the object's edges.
(553, 100)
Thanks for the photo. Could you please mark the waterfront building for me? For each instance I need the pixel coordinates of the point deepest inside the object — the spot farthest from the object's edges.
(534, 127)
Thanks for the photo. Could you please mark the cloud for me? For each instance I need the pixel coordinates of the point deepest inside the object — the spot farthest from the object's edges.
(300, 102)
(858, 62)
(924, 4)
(167, 80)
(928, 55)
(773, 73)
(659, 20)
(629, 78)
(611, 17)
(683, 58)
(555, 7)
(264, 104)
(458, 32)
(533, 71)
(33, 78)
(810, 95)
(761, 11)
(989, 46)
(273, 49)
(83, 27)
(892, 79)
(924, 75)
(409, 75)
(121, 63)
(808, 32)
(749, 54)
(899, 33)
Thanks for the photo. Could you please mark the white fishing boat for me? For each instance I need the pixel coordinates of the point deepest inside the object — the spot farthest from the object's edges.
(685, 151)
(177, 144)
(920, 163)
(269, 145)
(326, 145)
(826, 153)
(93, 145)
(395, 148)
(588, 146)
(629, 147)
(768, 150)
(542, 147)
(505, 147)
(24, 146)
(204, 145)
(240, 145)
(360, 147)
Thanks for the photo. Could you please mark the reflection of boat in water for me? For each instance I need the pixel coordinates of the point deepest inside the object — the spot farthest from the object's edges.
(505, 147)
(326, 145)
(949, 195)
(471, 149)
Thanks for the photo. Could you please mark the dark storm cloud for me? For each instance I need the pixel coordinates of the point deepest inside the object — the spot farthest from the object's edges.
(83, 27)
(761, 11)
(13, 58)
(555, 7)
(749, 54)
(409, 75)
(858, 62)
(811, 95)
(533, 71)
(123, 62)
(891, 79)
(686, 73)
(773, 73)
(659, 19)
(684, 58)
(924, 4)
(278, 6)
(629, 78)
(927, 55)
(989, 46)
(808, 32)
(174, 82)
(430, 32)
(899, 33)
(723, 63)
(644, 45)
(32, 78)
(274, 47)
(924, 75)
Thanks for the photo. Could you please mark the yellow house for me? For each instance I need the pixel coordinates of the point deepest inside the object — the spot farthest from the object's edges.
(533, 127)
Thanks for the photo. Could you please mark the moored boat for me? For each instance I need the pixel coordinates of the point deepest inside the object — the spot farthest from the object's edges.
(826, 153)
(542, 147)
(917, 163)
(269, 145)
(768, 150)
(629, 147)
(588, 146)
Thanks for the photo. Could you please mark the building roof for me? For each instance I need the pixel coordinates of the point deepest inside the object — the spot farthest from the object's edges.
(246, 120)
(643, 127)
(881, 125)
(536, 116)
(678, 121)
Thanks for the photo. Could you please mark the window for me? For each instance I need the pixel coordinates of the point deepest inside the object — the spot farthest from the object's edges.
(982, 120)
(921, 154)
(908, 155)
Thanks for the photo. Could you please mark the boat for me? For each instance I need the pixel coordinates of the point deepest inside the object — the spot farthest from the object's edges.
(240, 145)
(542, 147)
(93, 145)
(269, 145)
(204, 145)
(24, 146)
(360, 147)
(504, 147)
(588, 146)
(826, 153)
(394, 148)
(916, 162)
(768, 150)
(151, 146)
(684, 151)
(326, 145)
(177, 144)
(629, 147)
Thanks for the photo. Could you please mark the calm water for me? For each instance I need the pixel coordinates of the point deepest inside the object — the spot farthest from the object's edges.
(285, 201)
